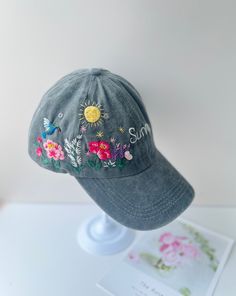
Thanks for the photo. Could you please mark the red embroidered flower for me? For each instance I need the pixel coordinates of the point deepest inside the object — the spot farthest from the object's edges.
(103, 155)
(101, 148)
(93, 147)
(39, 140)
(39, 151)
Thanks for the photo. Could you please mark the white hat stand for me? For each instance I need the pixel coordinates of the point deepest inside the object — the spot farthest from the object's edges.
(101, 235)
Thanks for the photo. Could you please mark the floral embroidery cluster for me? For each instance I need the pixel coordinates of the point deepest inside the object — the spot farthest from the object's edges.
(49, 152)
(108, 154)
(98, 154)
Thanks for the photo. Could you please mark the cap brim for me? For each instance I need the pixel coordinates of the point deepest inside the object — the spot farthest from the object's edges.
(145, 201)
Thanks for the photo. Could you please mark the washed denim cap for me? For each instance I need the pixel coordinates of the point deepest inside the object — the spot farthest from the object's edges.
(93, 125)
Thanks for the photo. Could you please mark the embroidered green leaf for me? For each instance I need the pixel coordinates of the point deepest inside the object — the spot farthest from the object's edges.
(98, 165)
(94, 162)
(120, 162)
(45, 160)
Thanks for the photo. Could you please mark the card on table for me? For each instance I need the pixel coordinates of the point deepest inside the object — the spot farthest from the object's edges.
(181, 258)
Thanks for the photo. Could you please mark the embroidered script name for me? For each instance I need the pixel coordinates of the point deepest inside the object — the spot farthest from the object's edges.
(138, 135)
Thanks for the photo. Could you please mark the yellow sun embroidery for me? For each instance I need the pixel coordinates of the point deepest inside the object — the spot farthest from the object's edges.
(91, 114)
(99, 134)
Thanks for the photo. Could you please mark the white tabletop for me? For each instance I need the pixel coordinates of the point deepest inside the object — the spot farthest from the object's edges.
(39, 255)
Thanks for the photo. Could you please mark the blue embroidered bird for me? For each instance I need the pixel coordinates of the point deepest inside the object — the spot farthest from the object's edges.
(50, 128)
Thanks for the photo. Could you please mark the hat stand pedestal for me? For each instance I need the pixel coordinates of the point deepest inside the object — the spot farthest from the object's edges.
(101, 235)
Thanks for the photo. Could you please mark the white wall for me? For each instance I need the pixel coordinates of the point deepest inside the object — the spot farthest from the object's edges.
(180, 55)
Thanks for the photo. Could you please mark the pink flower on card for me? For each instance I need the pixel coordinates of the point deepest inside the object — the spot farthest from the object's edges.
(175, 249)
(167, 238)
(189, 250)
(172, 258)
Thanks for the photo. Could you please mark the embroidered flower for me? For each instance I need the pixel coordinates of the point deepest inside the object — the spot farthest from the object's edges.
(128, 155)
(39, 151)
(83, 129)
(48, 145)
(93, 147)
(53, 150)
(101, 148)
(118, 151)
(39, 140)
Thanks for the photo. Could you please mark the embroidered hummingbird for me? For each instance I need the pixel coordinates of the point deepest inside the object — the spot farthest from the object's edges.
(49, 127)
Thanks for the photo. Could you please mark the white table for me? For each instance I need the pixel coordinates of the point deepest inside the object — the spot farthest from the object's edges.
(39, 255)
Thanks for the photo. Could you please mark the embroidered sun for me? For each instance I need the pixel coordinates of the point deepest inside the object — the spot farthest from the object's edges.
(91, 114)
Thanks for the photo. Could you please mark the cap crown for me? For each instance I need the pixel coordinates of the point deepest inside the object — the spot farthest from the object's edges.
(92, 124)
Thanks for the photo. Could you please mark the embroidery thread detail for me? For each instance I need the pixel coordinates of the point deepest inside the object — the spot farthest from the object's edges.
(137, 135)
(92, 114)
(49, 152)
(49, 127)
(73, 150)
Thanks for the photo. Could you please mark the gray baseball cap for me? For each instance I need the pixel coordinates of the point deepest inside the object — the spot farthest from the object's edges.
(93, 125)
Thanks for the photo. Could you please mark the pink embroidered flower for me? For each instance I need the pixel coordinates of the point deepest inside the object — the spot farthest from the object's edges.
(83, 129)
(49, 145)
(39, 140)
(56, 154)
(54, 150)
(39, 151)
(101, 148)
(128, 155)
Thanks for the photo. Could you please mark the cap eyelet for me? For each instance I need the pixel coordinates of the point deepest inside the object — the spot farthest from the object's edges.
(60, 115)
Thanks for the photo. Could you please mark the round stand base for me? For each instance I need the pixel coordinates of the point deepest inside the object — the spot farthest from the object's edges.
(101, 235)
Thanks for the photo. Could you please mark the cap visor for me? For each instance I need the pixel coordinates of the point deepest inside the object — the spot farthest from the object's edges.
(145, 201)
